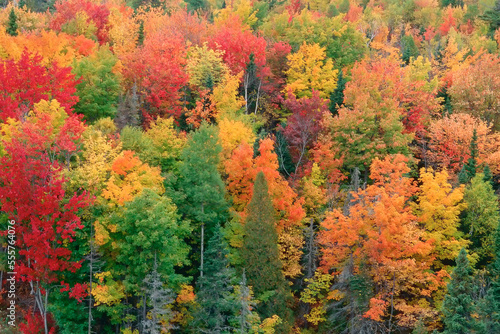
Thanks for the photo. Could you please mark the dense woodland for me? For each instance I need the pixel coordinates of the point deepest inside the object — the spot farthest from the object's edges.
(245, 166)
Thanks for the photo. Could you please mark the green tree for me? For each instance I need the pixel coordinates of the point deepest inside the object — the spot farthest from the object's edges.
(260, 255)
(480, 218)
(216, 304)
(408, 48)
(458, 305)
(491, 305)
(140, 34)
(337, 96)
(492, 17)
(471, 165)
(149, 228)
(99, 87)
(453, 3)
(12, 23)
(201, 188)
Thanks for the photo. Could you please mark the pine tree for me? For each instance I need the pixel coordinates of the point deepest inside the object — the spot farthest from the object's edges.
(480, 218)
(492, 323)
(489, 306)
(337, 96)
(458, 304)
(216, 303)
(471, 165)
(260, 254)
(12, 24)
(140, 34)
(201, 197)
(488, 177)
(409, 49)
(462, 176)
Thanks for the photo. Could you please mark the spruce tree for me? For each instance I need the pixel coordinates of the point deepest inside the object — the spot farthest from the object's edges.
(489, 306)
(408, 48)
(480, 218)
(488, 177)
(471, 165)
(217, 305)
(492, 322)
(260, 254)
(140, 34)
(12, 24)
(458, 305)
(337, 96)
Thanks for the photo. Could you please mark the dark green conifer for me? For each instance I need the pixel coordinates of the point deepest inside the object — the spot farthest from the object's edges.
(408, 48)
(217, 305)
(488, 177)
(471, 165)
(140, 34)
(337, 96)
(260, 255)
(458, 305)
(12, 24)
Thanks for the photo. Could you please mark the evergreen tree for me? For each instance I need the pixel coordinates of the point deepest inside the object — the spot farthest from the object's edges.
(471, 165)
(488, 177)
(480, 219)
(337, 96)
(492, 310)
(453, 3)
(201, 190)
(140, 34)
(217, 306)
(492, 17)
(462, 176)
(12, 23)
(458, 304)
(408, 48)
(260, 255)
(469, 169)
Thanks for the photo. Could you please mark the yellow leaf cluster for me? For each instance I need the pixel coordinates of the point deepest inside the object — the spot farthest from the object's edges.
(316, 294)
(243, 9)
(123, 30)
(129, 177)
(226, 97)
(53, 47)
(107, 291)
(233, 133)
(204, 63)
(309, 70)
(167, 142)
(439, 207)
(27, 20)
(98, 154)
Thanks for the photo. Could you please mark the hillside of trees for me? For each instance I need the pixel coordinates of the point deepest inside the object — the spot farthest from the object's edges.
(249, 166)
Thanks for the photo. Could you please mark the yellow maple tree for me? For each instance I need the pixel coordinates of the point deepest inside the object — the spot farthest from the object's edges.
(309, 70)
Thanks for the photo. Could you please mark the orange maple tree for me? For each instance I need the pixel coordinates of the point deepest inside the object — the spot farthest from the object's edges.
(381, 232)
